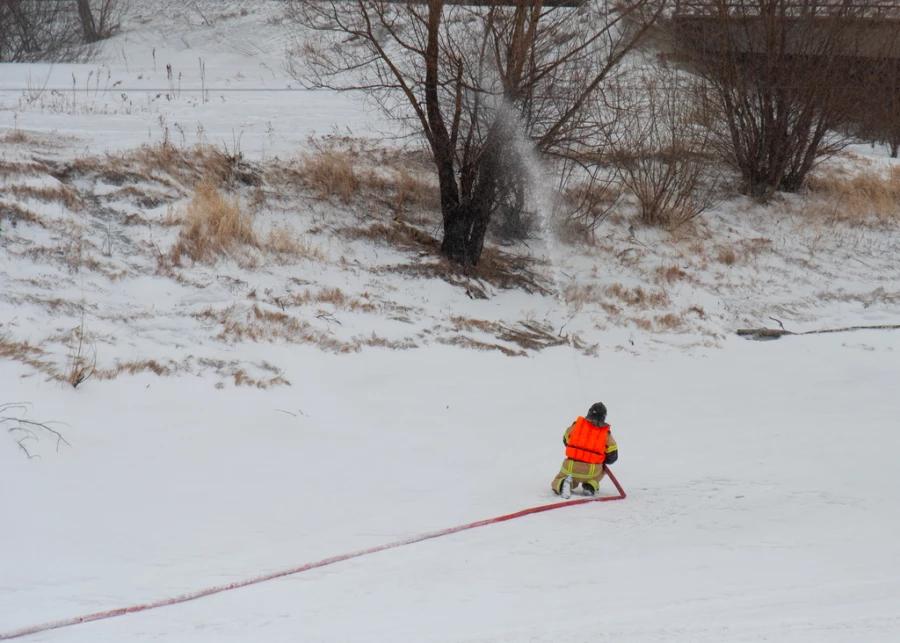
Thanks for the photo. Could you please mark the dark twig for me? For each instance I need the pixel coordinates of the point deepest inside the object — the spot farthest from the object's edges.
(20, 424)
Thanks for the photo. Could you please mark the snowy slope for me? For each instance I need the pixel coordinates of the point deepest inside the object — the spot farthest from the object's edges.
(761, 475)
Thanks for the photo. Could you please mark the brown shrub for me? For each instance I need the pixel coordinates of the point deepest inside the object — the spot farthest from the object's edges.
(332, 173)
(588, 204)
(211, 226)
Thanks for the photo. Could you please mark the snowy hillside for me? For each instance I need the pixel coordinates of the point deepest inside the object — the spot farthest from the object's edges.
(326, 384)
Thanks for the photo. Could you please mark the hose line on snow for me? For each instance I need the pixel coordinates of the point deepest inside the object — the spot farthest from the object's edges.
(183, 598)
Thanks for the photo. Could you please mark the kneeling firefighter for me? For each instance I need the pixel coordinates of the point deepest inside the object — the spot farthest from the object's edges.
(590, 447)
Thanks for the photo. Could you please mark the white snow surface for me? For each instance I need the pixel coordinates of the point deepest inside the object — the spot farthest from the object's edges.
(762, 477)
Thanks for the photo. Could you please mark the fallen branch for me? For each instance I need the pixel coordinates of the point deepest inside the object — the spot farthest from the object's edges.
(765, 334)
(13, 414)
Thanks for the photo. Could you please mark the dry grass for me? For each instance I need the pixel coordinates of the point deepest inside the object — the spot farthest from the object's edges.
(726, 255)
(528, 335)
(638, 297)
(138, 366)
(165, 368)
(22, 168)
(23, 352)
(412, 191)
(354, 171)
(468, 342)
(396, 234)
(496, 269)
(869, 198)
(670, 274)
(168, 165)
(325, 295)
(876, 297)
(669, 321)
(375, 340)
(260, 325)
(287, 246)
(332, 173)
(242, 378)
(14, 213)
(643, 323)
(58, 194)
(587, 205)
(71, 249)
(200, 163)
(211, 226)
(698, 310)
(577, 296)
(81, 364)
(338, 174)
(17, 136)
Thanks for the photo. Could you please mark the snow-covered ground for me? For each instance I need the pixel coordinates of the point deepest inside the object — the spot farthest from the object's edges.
(383, 403)
(762, 499)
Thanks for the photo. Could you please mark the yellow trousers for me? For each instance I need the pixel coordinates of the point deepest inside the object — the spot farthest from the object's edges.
(583, 473)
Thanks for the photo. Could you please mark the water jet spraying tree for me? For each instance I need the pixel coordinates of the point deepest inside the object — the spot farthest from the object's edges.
(451, 72)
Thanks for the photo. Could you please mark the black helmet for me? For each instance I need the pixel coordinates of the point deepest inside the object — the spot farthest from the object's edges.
(596, 414)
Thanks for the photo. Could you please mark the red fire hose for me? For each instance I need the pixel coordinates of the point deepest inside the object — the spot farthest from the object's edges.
(296, 570)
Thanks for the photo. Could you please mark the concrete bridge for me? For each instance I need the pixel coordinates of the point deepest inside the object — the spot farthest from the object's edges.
(860, 29)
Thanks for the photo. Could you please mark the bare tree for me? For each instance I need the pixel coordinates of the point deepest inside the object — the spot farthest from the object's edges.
(86, 15)
(777, 70)
(479, 83)
(99, 18)
(34, 30)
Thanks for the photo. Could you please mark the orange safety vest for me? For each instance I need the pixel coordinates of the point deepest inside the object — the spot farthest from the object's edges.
(587, 442)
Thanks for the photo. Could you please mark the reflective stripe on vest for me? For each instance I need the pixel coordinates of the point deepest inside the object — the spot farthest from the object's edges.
(587, 443)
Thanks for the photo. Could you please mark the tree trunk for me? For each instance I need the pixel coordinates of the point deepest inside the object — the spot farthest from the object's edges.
(485, 180)
(456, 245)
(87, 21)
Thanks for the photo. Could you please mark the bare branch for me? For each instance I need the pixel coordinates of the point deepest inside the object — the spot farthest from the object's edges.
(12, 415)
